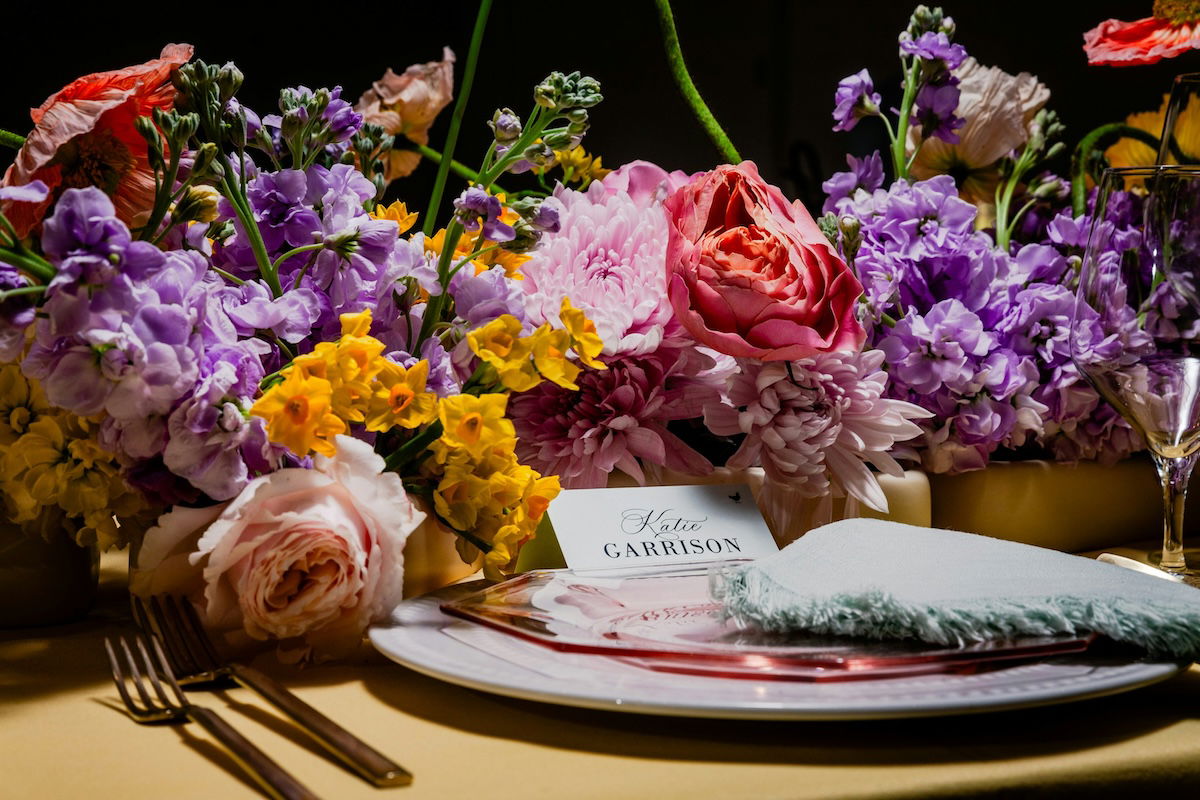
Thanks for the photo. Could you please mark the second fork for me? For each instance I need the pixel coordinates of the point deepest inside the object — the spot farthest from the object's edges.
(194, 660)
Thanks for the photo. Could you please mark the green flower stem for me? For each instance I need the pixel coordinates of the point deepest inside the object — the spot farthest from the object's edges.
(234, 279)
(33, 265)
(456, 118)
(21, 290)
(418, 444)
(1004, 196)
(1099, 139)
(162, 199)
(480, 544)
(241, 207)
(683, 79)
(900, 140)
(10, 139)
(307, 248)
(435, 306)
(458, 168)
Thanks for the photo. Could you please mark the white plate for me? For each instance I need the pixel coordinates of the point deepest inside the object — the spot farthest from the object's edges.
(421, 637)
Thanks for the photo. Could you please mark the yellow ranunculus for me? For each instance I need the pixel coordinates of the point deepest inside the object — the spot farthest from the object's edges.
(400, 398)
(299, 416)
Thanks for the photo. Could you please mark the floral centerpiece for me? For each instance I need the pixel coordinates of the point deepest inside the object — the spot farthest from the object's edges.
(221, 343)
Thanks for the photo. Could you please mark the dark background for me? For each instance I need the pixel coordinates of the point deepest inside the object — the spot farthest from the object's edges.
(768, 68)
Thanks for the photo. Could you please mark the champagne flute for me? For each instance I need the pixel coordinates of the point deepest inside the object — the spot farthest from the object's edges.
(1180, 142)
(1136, 329)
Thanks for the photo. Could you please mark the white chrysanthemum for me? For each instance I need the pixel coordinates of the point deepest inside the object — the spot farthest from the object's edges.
(609, 258)
(816, 429)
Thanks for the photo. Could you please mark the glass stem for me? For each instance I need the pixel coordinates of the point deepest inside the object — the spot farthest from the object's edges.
(1175, 474)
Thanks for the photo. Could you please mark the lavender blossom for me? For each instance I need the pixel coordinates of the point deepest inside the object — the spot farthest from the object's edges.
(854, 99)
(475, 207)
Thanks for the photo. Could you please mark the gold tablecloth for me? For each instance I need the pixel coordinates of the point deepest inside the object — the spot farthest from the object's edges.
(63, 735)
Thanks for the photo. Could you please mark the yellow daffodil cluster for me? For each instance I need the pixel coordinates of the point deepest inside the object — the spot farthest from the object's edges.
(54, 475)
(522, 362)
(468, 244)
(481, 488)
(578, 166)
(342, 382)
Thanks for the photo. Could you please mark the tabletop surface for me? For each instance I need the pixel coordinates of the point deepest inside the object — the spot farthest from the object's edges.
(63, 734)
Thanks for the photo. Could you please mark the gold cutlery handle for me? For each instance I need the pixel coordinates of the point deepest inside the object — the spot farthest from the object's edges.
(278, 783)
(352, 751)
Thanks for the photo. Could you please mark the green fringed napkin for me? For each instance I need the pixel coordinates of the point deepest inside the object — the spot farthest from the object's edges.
(884, 580)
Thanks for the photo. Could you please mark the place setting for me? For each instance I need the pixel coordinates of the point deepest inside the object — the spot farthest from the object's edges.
(314, 397)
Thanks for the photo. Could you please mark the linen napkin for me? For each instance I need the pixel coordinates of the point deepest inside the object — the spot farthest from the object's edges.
(884, 580)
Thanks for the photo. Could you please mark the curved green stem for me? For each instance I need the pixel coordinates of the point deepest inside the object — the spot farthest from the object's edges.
(684, 80)
(10, 139)
(417, 444)
(35, 266)
(305, 248)
(460, 107)
(20, 290)
(1096, 140)
(900, 140)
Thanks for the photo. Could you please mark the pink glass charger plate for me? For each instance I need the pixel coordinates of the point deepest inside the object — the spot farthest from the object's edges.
(422, 637)
(667, 621)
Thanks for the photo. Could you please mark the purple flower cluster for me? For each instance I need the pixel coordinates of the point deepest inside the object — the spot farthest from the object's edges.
(975, 335)
(147, 337)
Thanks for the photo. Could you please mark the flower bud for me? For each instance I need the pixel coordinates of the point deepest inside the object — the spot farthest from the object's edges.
(505, 125)
(229, 80)
(198, 204)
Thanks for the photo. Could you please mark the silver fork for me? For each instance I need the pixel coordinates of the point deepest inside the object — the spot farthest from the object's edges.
(176, 624)
(175, 708)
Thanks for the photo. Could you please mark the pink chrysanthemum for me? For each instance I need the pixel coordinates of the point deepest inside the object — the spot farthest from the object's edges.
(608, 257)
(817, 429)
(618, 416)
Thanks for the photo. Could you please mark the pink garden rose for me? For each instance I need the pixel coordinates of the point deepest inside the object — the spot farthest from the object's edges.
(751, 275)
(307, 557)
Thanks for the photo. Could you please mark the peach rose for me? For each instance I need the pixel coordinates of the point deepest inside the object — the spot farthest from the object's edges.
(751, 275)
(407, 104)
(307, 557)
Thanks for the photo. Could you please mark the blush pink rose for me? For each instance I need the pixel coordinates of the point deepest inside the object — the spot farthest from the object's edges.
(306, 557)
(751, 275)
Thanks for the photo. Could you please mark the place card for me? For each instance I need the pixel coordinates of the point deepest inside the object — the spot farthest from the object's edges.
(659, 525)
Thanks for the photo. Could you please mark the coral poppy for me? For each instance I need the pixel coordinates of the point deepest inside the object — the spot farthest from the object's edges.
(1173, 29)
(407, 105)
(85, 136)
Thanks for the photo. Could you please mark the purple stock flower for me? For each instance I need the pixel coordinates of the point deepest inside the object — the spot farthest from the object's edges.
(865, 173)
(934, 46)
(340, 116)
(935, 107)
(940, 348)
(854, 99)
(481, 298)
(209, 432)
(474, 206)
(16, 314)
